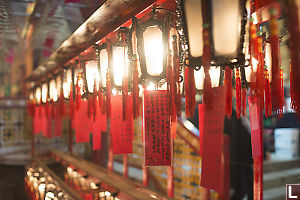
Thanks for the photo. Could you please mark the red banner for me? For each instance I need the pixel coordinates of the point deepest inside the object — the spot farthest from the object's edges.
(49, 128)
(39, 121)
(157, 128)
(256, 137)
(99, 126)
(121, 131)
(82, 124)
(212, 140)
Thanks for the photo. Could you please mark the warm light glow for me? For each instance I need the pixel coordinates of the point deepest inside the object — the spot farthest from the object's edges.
(53, 90)
(107, 193)
(199, 78)
(92, 75)
(67, 83)
(114, 91)
(44, 93)
(31, 96)
(119, 64)
(42, 187)
(193, 16)
(226, 26)
(248, 73)
(58, 85)
(151, 86)
(153, 46)
(49, 196)
(214, 73)
(38, 94)
(103, 66)
(254, 64)
(268, 60)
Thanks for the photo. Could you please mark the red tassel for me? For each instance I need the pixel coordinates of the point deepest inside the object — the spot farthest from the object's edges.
(281, 100)
(71, 102)
(61, 109)
(47, 110)
(77, 94)
(206, 59)
(53, 109)
(274, 40)
(108, 95)
(176, 99)
(228, 85)
(124, 85)
(268, 102)
(136, 89)
(293, 27)
(95, 103)
(90, 107)
(244, 102)
(189, 92)
(170, 86)
(260, 74)
(238, 92)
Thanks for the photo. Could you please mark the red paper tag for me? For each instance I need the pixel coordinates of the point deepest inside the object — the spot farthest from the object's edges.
(255, 127)
(212, 140)
(99, 125)
(39, 123)
(121, 131)
(157, 128)
(82, 124)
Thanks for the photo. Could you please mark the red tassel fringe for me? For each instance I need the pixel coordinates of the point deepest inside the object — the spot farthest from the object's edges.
(293, 27)
(238, 89)
(189, 91)
(136, 89)
(276, 85)
(268, 102)
(244, 102)
(108, 95)
(71, 103)
(228, 85)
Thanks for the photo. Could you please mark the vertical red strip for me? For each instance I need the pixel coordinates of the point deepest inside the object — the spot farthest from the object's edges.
(157, 128)
(189, 92)
(125, 166)
(82, 124)
(212, 141)
(121, 131)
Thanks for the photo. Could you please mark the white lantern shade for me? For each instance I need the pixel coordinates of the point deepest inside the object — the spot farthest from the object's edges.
(58, 85)
(214, 73)
(153, 47)
(194, 23)
(67, 83)
(44, 93)
(92, 75)
(120, 63)
(53, 90)
(38, 94)
(199, 78)
(103, 66)
(226, 28)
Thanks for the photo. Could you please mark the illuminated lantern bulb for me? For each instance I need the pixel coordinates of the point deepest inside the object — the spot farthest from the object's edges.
(53, 90)
(153, 47)
(58, 85)
(67, 83)
(103, 66)
(92, 75)
(38, 95)
(44, 93)
(214, 73)
(120, 63)
(199, 78)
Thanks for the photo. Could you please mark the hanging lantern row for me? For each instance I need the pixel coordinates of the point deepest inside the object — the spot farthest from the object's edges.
(152, 53)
